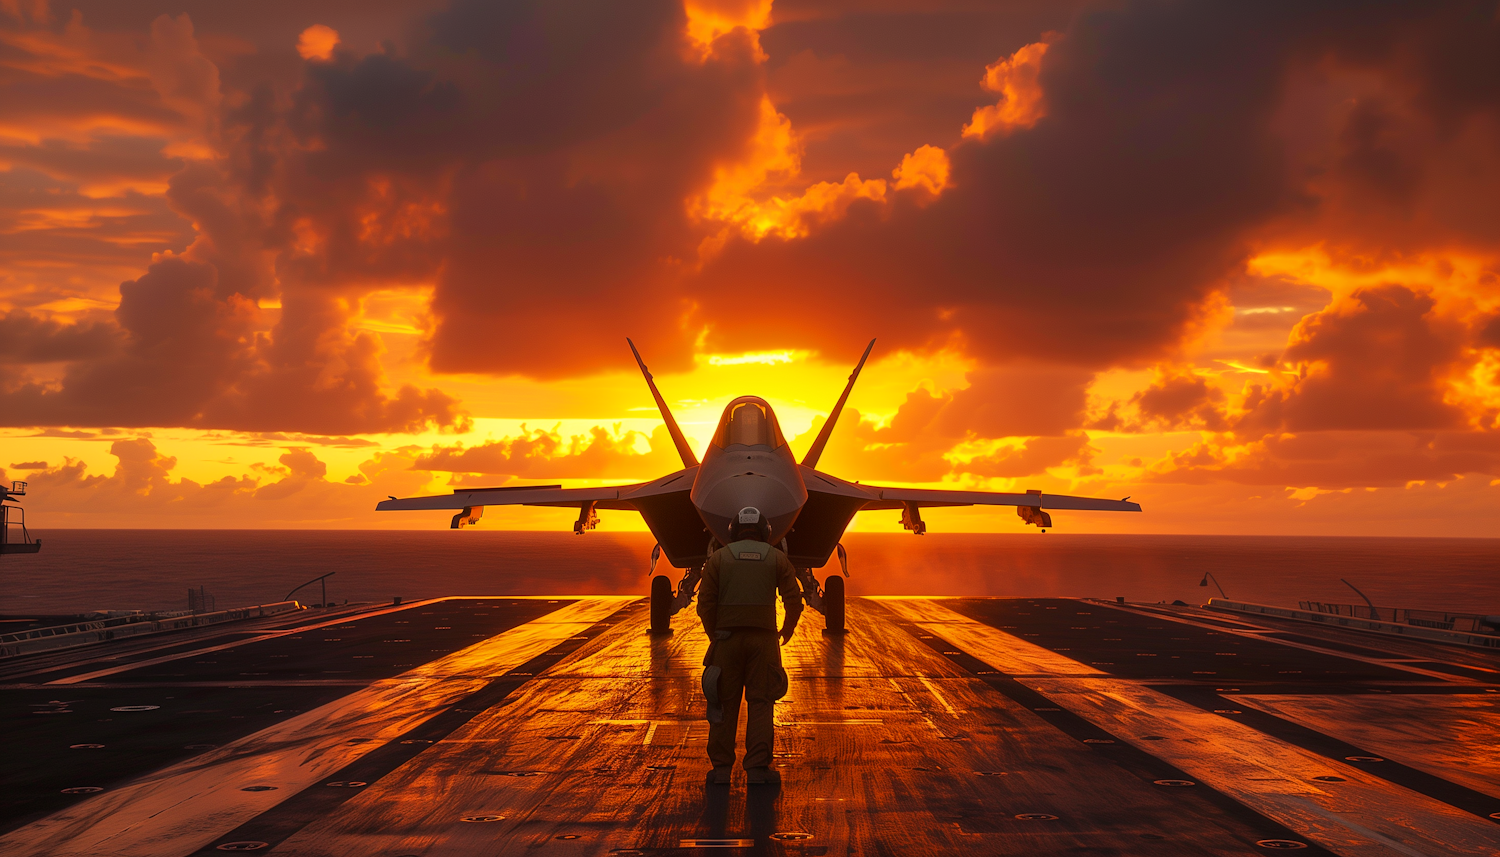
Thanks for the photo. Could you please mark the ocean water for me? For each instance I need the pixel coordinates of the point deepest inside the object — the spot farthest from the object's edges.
(83, 570)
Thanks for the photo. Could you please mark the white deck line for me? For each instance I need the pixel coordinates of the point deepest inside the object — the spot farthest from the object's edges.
(271, 635)
(186, 806)
(1363, 816)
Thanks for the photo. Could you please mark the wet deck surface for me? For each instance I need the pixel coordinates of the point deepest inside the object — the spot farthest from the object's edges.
(936, 726)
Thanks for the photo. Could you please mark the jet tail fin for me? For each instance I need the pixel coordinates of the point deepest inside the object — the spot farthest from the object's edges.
(816, 450)
(683, 449)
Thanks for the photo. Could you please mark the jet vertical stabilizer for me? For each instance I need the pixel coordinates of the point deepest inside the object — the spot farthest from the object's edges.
(683, 449)
(816, 450)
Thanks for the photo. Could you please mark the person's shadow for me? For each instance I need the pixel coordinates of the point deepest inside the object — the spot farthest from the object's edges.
(762, 812)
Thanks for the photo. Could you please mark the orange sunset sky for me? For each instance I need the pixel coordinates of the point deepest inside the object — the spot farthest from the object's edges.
(264, 264)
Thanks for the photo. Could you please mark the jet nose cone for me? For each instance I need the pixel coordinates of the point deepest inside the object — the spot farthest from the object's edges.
(776, 500)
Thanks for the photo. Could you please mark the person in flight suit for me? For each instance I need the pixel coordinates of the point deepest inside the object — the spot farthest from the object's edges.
(737, 603)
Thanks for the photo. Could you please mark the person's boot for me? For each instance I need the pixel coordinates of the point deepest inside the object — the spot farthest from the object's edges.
(762, 777)
(718, 776)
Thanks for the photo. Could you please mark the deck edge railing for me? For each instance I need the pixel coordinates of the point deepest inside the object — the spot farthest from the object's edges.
(119, 627)
(1479, 640)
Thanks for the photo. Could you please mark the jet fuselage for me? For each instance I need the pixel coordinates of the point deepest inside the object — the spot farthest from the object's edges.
(748, 464)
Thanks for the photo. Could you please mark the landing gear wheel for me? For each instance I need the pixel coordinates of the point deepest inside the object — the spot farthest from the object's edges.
(661, 604)
(833, 604)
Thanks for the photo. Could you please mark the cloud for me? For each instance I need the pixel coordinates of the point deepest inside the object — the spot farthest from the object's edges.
(1337, 460)
(926, 168)
(1380, 361)
(142, 491)
(24, 338)
(1037, 403)
(1016, 78)
(541, 454)
(74, 433)
(1182, 400)
(1032, 457)
(188, 345)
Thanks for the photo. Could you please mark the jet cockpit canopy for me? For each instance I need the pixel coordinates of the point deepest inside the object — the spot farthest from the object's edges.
(749, 420)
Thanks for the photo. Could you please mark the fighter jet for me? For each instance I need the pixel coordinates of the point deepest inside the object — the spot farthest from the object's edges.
(748, 463)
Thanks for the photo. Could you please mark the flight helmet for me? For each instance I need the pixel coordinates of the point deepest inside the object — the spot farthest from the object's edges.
(750, 523)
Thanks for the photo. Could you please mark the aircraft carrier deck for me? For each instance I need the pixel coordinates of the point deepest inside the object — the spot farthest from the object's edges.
(488, 726)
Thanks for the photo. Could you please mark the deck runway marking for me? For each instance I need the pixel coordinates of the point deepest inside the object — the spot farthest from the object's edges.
(887, 787)
(156, 642)
(1382, 818)
(312, 803)
(182, 807)
(605, 781)
(270, 635)
(1263, 635)
(927, 718)
(261, 636)
(1453, 736)
(1440, 786)
(943, 700)
(864, 772)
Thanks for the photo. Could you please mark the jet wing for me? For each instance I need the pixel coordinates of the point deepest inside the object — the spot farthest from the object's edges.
(663, 502)
(521, 495)
(896, 498)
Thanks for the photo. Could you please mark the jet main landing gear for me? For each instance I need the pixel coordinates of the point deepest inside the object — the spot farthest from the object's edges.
(665, 603)
(833, 605)
(661, 604)
(827, 599)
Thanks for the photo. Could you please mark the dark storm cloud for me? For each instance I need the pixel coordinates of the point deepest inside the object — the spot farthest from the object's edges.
(27, 339)
(867, 83)
(570, 226)
(1182, 400)
(1094, 236)
(188, 345)
(1489, 334)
